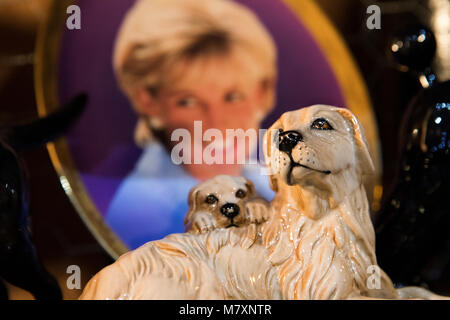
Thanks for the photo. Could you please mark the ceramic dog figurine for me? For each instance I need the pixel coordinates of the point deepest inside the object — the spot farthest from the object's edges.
(224, 202)
(318, 242)
(19, 264)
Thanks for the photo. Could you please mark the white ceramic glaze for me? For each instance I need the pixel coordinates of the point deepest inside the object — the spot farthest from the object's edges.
(318, 242)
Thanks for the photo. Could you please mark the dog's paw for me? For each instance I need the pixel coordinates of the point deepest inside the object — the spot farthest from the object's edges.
(257, 211)
(203, 222)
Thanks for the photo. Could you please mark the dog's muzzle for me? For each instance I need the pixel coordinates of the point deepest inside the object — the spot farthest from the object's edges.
(287, 140)
(230, 210)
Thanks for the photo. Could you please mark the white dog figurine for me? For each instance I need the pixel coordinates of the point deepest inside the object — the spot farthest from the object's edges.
(224, 202)
(317, 244)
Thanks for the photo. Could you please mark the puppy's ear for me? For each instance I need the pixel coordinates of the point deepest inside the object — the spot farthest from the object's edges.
(363, 154)
(269, 147)
(250, 188)
(192, 203)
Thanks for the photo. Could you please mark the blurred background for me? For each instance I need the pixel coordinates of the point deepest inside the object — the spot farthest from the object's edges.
(62, 239)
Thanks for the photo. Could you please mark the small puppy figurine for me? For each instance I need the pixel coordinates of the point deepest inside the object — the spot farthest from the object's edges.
(223, 202)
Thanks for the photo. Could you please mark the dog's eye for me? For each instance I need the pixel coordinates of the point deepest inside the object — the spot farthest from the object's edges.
(211, 199)
(241, 193)
(321, 124)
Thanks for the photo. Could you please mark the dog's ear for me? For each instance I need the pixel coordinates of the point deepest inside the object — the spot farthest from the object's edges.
(268, 147)
(192, 203)
(363, 154)
(250, 188)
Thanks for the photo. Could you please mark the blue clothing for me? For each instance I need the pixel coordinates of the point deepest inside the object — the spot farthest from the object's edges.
(152, 200)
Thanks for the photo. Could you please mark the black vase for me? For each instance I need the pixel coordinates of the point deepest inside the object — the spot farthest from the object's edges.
(412, 227)
(413, 237)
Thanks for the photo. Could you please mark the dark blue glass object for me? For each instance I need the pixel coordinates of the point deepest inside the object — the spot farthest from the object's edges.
(412, 227)
(19, 264)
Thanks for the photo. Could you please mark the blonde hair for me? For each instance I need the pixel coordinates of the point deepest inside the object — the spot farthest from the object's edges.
(155, 34)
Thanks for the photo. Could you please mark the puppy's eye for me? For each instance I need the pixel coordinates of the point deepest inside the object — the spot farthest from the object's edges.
(211, 199)
(321, 124)
(241, 193)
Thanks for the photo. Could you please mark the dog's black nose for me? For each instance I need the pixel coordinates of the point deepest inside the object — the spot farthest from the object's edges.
(230, 210)
(287, 140)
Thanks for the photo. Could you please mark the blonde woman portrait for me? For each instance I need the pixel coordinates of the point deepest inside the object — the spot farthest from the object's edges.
(154, 68)
(180, 61)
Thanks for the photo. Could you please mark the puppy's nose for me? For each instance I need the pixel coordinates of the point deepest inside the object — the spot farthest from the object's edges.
(288, 140)
(230, 210)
